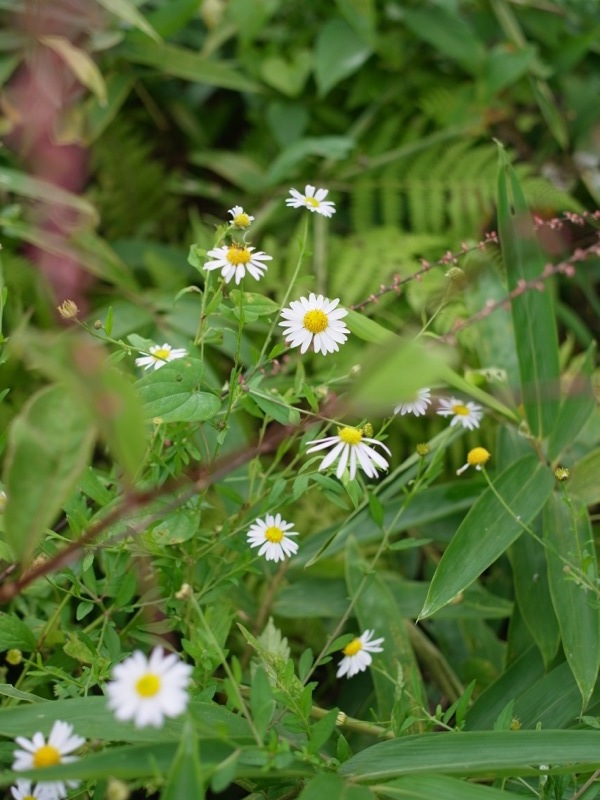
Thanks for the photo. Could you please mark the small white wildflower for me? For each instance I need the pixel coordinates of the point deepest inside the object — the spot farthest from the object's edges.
(468, 414)
(315, 320)
(239, 218)
(418, 406)
(160, 355)
(146, 690)
(271, 535)
(349, 446)
(313, 199)
(3, 499)
(24, 790)
(235, 259)
(357, 654)
(36, 753)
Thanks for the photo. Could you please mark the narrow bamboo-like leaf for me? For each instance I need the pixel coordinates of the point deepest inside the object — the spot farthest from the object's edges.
(404, 695)
(532, 310)
(91, 717)
(439, 787)
(530, 577)
(576, 407)
(185, 776)
(570, 554)
(584, 483)
(12, 180)
(49, 445)
(126, 10)
(80, 63)
(333, 787)
(489, 528)
(476, 753)
(187, 64)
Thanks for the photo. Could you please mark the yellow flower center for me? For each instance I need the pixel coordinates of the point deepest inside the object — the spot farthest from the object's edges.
(460, 410)
(274, 534)
(148, 685)
(353, 648)
(315, 321)
(312, 201)
(162, 353)
(351, 436)
(46, 756)
(238, 255)
(478, 456)
(29, 797)
(241, 220)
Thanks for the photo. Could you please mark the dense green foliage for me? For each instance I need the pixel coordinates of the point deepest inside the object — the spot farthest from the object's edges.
(458, 140)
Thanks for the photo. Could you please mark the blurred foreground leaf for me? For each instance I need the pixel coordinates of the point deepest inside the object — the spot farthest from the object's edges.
(49, 446)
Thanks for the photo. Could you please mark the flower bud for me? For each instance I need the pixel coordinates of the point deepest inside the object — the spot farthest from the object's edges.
(68, 309)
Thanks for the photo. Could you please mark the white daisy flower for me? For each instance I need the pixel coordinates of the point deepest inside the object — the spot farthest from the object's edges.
(160, 355)
(25, 791)
(313, 199)
(418, 406)
(468, 414)
(234, 259)
(36, 753)
(146, 690)
(239, 218)
(271, 535)
(349, 446)
(315, 321)
(357, 654)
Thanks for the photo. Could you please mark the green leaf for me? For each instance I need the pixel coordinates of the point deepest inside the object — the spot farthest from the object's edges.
(570, 546)
(49, 445)
(322, 730)
(14, 634)
(450, 34)
(584, 483)
(91, 718)
(262, 703)
(393, 372)
(289, 75)
(172, 393)
(126, 10)
(575, 409)
(528, 561)
(276, 408)
(532, 310)
(398, 686)
(476, 753)
(440, 787)
(254, 305)
(13, 181)
(333, 787)
(330, 147)
(189, 65)
(489, 528)
(185, 776)
(339, 52)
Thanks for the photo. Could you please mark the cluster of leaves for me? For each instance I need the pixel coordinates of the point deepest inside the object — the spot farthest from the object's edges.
(124, 490)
